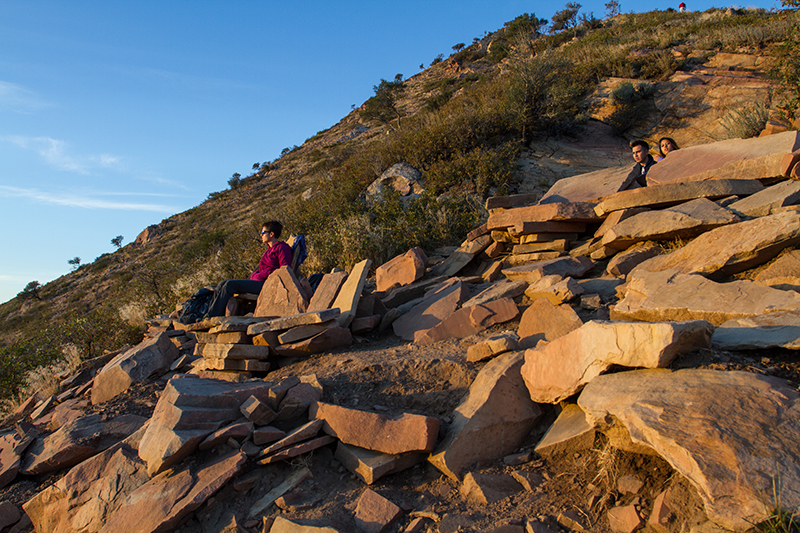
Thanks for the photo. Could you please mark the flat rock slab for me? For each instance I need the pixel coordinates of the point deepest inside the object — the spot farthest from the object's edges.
(496, 291)
(758, 157)
(495, 345)
(783, 273)
(669, 295)
(325, 341)
(545, 321)
(281, 295)
(589, 187)
(231, 351)
(553, 212)
(570, 433)
(575, 267)
(327, 290)
(282, 525)
(78, 440)
(675, 193)
(374, 513)
(437, 306)
(369, 466)
(381, 433)
(768, 201)
(278, 324)
(732, 451)
(683, 221)
(9, 460)
(469, 321)
(732, 248)
(462, 256)
(402, 270)
(350, 293)
(773, 330)
(622, 263)
(161, 503)
(492, 420)
(149, 358)
(563, 367)
(489, 488)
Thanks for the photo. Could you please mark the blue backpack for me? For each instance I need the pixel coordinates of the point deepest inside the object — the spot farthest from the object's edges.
(196, 307)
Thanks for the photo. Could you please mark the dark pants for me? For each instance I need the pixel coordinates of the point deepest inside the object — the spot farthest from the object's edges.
(226, 289)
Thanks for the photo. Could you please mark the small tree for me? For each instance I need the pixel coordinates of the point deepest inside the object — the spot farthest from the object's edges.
(117, 242)
(525, 24)
(458, 47)
(613, 8)
(566, 18)
(235, 180)
(31, 290)
(383, 106)
(75, 262)
(256, 165)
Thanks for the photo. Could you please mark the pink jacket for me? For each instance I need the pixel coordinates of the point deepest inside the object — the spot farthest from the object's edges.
(278, 255)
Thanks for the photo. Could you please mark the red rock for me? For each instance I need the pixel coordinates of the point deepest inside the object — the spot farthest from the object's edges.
(370, 466)
(9, 514)
(304, 432)
(328, 340)
(298, 449)
(544, 321)
(437, 306)
(401, 434)
(257, 411)
(374, 513)
(267, 434)
(489, 488)
(281, 295)
(9, 461)
(327, 290)
(624, 519)
(365, 324)
(554, 212)
(402, 270)
(242, 430)
(469, 321)
(563, 266)
(350, 293)
(297, 401)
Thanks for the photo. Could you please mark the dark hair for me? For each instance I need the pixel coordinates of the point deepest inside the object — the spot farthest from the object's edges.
(641, 143)
(671, 141)
(274, 226)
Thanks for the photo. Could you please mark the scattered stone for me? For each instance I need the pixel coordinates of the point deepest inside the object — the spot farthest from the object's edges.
(282, 525)
(623, 519)
(329, 339)
(590, 186)
(622, 263)
(291, 481)
(532, 526)
(242, 430)
(402, 270)
(573, 520)
(562, 266)
(570, 433)
(462, 256)
(768, 201)
(267, 434)
(484, 427)
(554, 288)
(298, 501)
(530, 481)
(495, 345)
(730, 450)
(780, 329)
(454, 523)
(783, 273)
(564, 366)
(669, 295)
(629, 485)
(437, 306)
(381, 433)
(732, 248)
(552, 212)
(278, 324)
(489, 488)
(544, 321)
(369, 466)
(151, 357)
(297, 401)
(297, 449)
(497, 291)
(326, 291)
(257, 412)
(516, 459)
(469, 321)
(304, 432)
(661, 516)
(374, 513)
(281, 295)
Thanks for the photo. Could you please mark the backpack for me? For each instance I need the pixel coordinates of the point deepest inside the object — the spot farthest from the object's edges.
(196, 307)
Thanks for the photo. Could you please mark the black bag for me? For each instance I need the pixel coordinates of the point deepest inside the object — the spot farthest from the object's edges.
(196, 307)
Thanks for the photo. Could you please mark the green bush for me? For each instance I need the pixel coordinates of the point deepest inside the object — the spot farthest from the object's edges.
(746, 121)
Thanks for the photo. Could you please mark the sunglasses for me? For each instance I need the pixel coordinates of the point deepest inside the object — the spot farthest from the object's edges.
(263, 232)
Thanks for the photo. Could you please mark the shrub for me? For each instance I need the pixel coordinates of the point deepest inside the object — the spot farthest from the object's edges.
(746, 121)
(629, 103)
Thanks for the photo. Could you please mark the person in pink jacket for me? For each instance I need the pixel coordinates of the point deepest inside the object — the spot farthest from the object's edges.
(278, 254)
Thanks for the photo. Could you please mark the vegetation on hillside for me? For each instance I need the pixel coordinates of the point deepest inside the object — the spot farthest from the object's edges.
(461, 122)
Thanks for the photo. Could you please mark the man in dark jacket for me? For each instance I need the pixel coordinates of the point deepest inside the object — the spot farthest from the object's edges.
(641, 154)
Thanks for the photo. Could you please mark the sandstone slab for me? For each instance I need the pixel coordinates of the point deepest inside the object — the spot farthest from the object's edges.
(570, 433)
(377, 432)
(282, 525)
(562, 266)
(683, 221)
(768, 201)
(732, 248)
(9, 459)
(291, 481)
(374, 513)
(730, 450)
(780, 329)
(669, 295)
(554, 288)
(437, 306)
(350, 293)
(563, 367)
(589, 187)
(493, 346)
(489, 488)
(281, 295)
(327, 290)
(278, 324)
(783, 273)
(325, 341)
(622, 263)
(231, 351)
(615, 217)
(402, 270)
(543, 320)
(759, 157)
(675, 193)
(496, 291)
(239, 431)
(491, 421)
(552, 212)
(462, 256)
(369, 466)
(469, 321)
(149, 358)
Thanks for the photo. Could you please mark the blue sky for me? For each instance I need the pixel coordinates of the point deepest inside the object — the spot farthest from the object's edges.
(115, 115)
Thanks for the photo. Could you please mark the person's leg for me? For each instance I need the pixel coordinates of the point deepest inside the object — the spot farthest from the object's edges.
(226, 289)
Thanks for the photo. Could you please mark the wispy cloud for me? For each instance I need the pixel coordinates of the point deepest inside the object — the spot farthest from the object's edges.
(18, 99)
(86, 201)
(56, 153)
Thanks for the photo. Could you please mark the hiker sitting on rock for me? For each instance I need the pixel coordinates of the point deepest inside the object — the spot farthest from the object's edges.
(641, 154)
(278, 254)
(665, 146)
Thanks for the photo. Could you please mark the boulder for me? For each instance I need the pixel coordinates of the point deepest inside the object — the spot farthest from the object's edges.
(188, 410)
(563, 367)
(402, 270)
(732, 248)
(543, 320)
(377, 432)
(683, 221)
(768, 201)
(350, 293)
(492, 420)
(669, 295)
(78, 440)
(281, 295)
(756, 158)
(9, 459)
(438, 305)
(675, 193)
(469, 321)
(495, 345)
(783, 273)
(150, 358)
(732, 451)
(780, 329)
(400, 177)
(374, 513)
(554, 288)
(589, 187)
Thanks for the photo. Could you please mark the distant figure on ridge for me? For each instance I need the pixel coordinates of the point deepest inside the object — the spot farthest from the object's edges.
(278, 254)
(665, 146)
(682, 7)
(641, 154)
